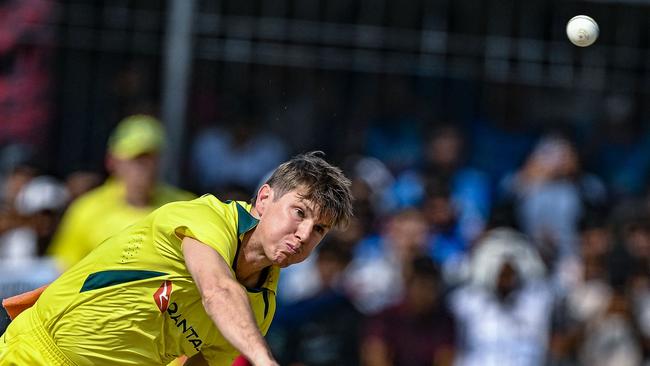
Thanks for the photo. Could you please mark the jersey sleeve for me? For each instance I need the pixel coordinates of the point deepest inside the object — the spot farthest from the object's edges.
(213, 225)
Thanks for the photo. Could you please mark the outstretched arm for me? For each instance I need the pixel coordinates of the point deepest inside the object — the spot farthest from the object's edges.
(226, 301)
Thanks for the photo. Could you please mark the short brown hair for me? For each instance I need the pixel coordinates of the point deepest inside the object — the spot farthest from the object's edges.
(325, 185)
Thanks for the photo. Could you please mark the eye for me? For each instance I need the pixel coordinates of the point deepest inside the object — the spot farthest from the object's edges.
(299, 212)
(319, 229)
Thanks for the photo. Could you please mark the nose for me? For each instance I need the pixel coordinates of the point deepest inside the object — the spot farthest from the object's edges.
(304, 230)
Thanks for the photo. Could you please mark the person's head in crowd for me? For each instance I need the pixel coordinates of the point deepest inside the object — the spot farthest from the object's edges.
(438, 207)
(620, 122)
(81, 181)
(628, 260)
(638, 281)
(595, 235)
(406, 233)
(636, 238)
(554, 157)
(631, 226)
(332, 260)
(444, 149)
(353, 234)
(499, 249)
(365, 213)
(371, 180)
(133, 156)
(423, 286)
(42, 201)
(557, 153)
(508, 280)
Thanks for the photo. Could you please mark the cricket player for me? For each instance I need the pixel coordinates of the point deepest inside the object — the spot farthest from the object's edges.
(130, 193)
(195, 278)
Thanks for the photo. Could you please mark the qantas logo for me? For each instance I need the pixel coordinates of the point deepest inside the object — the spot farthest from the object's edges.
(188, 330)
(161, 297)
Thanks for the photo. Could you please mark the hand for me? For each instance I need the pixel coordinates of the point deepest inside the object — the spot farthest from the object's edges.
(242, 361)
(266, 360)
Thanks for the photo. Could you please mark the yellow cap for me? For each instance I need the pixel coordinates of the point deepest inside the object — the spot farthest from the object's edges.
(136, 135)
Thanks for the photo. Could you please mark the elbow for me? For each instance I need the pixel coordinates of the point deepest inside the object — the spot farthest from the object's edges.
(220, 293)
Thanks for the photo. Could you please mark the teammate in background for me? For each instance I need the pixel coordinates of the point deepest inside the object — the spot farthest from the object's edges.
(195, 278)
(129, 194)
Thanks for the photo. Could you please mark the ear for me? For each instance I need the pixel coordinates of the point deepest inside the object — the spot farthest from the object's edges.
(264, 197)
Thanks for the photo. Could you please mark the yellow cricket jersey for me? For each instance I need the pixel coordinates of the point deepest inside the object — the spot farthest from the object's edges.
(99, 214)
(132, 301)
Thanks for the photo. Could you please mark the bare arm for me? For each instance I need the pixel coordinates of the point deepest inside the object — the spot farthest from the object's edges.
(226, 301)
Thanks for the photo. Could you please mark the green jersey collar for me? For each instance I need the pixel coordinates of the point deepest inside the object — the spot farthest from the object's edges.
(246, 221)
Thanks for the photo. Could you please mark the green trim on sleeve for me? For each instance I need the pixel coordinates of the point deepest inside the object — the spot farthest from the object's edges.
(103, 279)
(246, 221)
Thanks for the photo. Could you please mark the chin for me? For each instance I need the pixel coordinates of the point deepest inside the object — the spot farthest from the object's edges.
(284, 263)
(281, 260)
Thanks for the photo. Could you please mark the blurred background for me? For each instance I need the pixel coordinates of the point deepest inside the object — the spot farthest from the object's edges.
(501, 174)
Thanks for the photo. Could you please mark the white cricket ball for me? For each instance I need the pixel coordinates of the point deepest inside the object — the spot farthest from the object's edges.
(582, 30)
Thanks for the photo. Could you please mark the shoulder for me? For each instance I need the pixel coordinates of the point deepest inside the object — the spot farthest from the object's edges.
(204, 207)
(108, 189)
(205, 219)
(208, 215)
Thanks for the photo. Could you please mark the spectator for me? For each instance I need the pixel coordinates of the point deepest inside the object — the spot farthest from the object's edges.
(446, 244)
(38, 206)
(417, 332)
(595, 244)
(371, 184)
(237, 156)
(619, 146)
(323, 328)
(611, 339)
(16, 171)
(445, 166)
(375, 278)
(129, 194)
(504, 310)
(39, 203)
(550, 194)
(582, 284)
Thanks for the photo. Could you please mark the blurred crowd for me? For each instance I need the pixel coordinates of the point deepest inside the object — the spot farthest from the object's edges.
(445, 263)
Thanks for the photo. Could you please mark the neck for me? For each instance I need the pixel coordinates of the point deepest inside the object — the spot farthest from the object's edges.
(251, 259)
(137, 200)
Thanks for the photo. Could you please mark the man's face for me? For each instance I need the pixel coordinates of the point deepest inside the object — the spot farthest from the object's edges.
(138, 174)
(290, 226)
(508, 280)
